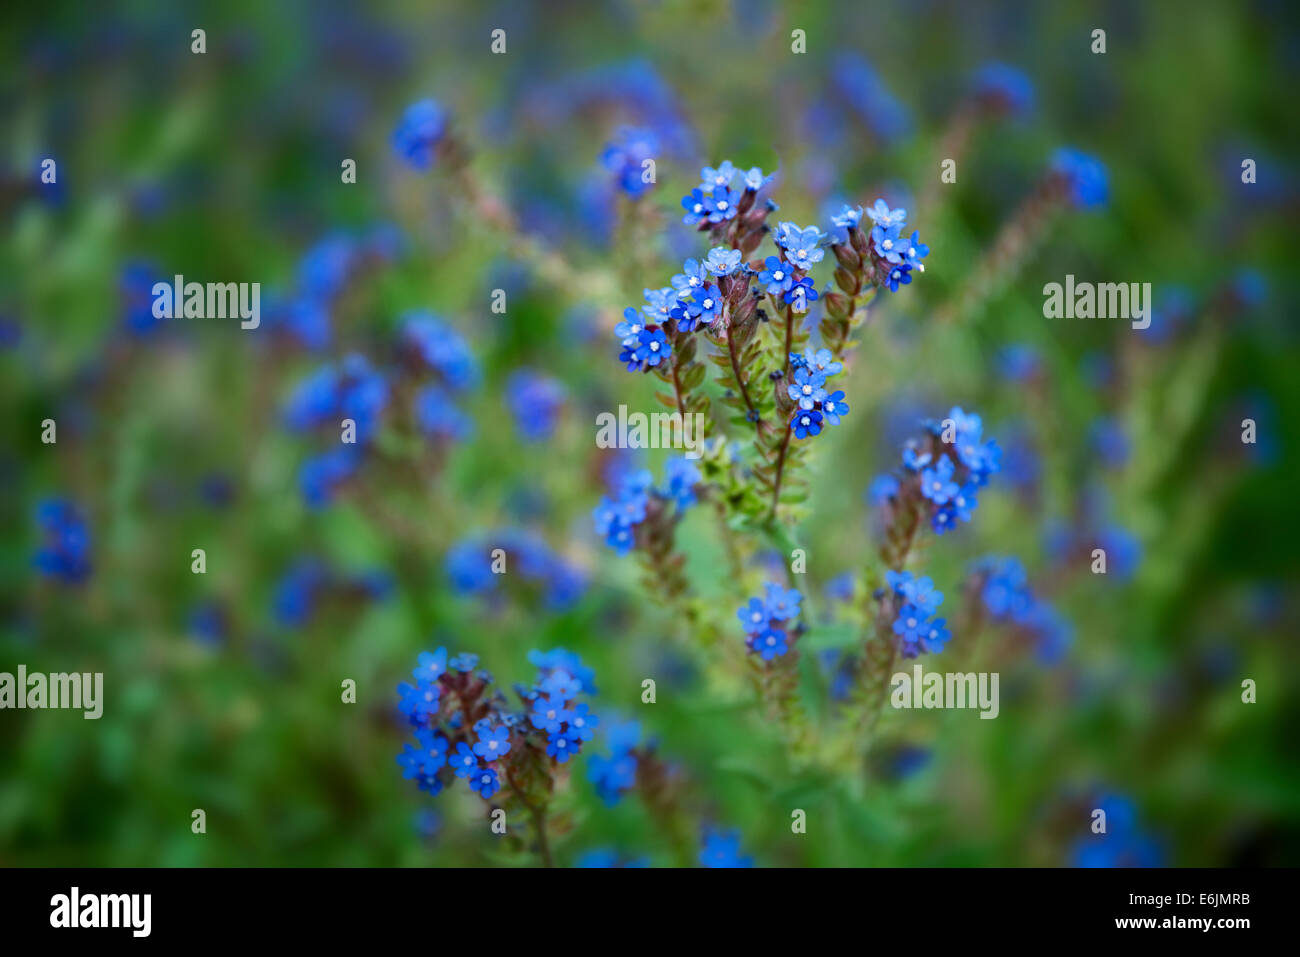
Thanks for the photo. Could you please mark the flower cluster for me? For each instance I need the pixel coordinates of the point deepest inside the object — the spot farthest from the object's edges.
(943, 473)
(894, 253)
(298, 593)
(464, 727)
(1004, 592)
(351, 390)
(64, 552)
(476, 566)
(816, 406)
(615, 775)
(767, 621)
(428, 343)
(917, 602)
(637, 501)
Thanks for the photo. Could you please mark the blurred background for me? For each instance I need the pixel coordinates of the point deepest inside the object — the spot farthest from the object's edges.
(222, 690)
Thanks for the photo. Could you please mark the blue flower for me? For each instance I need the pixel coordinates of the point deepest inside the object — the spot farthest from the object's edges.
(493, 743)
(800, 294)
(535, 402)
(722, 261)
(770, 643)
(847, 218)
(1005, 88)
(914, 251)
(563, 745)
(625, 157)
(755, 180)
(834, 407)
(807, 389)
(433, 748)
(888, 243)
(652, 347)
(723, 850)
(935, 636)
(720, 205)
(561, 686)
(681, 476)
(615, 775)
(882, 489)
(64, 553)
(419, 132)
(420, 700)
(432, 665)
(411, 761)
(781, 604)
(822, 361)
(802, 246)
(806, 423)
(463, 760)
(775, 277)
(715, 179)
(911, 623)
(1086, 180)
(485, 783)
(465, 662)
(693, 203)
(899, 275)
(441, 347)
(582, 723)
(753, 616)
(707, 305)
(937, 484)
(548, 714)
(965, 502)
(693, 277)
(914, 461)
(437, 417)
(659, 303)
(629, 330)
(882, 215)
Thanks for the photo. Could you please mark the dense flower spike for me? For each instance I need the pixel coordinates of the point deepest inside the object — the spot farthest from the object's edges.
(917, 601)
(637, 500)
(484, 562)
(615, 775)
(1004, 592)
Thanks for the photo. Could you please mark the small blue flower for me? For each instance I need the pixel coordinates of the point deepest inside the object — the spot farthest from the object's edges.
(681, 476)
(1086, 180)
(625, 157)
(412, 762)
(548, 714)
(715, 179)
(834, 407)
(965, 502)
(822, 361)
(693, 277)
(776, 276)
(64, 553)
(658, 303)
(431, 665)
(419, 132)
(465, 662)
(753, 616)
(755, 180)
(888, 243)
(781, 604)
(807, 389)
(802, 246)
(944, 518)
(937, 484)
(463, 760)
(693, 203)
(493, 743)
(652, 347)
(899, 275)
(582, 723)
(847, 218)
(720, 205)
(707, 305)
(935, 636)
(561, 686)
(485, 783)
(629, 330)
(722, 261)
(563, 745)
(723, 850)
(882, 215)
(770, 643)
(911, 623)
(1005, 88)
(437, 416)
(433, 747)
(806, 423)
(420, 700)
(882, 489)
(914, 461)
(914, 251)
(800, 294)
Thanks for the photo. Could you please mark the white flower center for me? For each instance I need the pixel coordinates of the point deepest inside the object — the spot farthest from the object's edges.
(778, 275)
(722, 205)
(888, 244)
(807, 390)
(708, 303)
(654, 347)
(911, 623)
